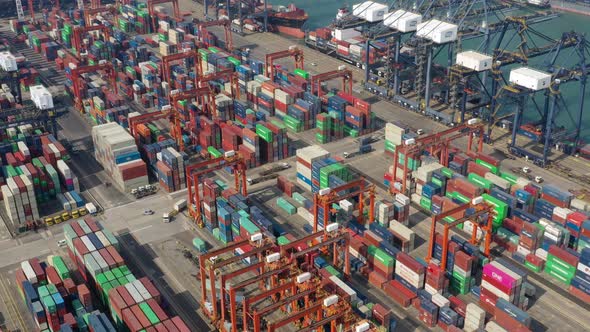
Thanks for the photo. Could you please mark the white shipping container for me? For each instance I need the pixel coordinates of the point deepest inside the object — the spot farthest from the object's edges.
(88, 243)
(530, 78)
(142, 290)
(134, 293)
(440, 300)
(29, 272)
(344, 287)
(103, 239)
(344, 34)
(474, 60)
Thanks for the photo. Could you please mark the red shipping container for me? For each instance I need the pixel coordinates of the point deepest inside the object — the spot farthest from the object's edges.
(70, 286)
(151, 289)
(84, 295)
(580, 294)
(399, 293)
(133, 169)
(170, 325)
(141, 317)
(117, 302)
(131, 321)
(377, 279)
(126, 296)
(564, 255)
(160, 327)
(180, 324)
(488, 159)
(157, 309)
(458, 305)
(480, 170)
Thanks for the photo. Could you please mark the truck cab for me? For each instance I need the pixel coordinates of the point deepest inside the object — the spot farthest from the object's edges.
(66, 216)
(166, 217)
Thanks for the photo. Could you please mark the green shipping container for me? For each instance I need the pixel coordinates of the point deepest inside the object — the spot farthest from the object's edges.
(508, 177)
(333, 271)
(214, 152)
(264, 132)
(320, 138)
(302, 73)
(213, 49)
(149, 313)
(425, 203)
(381, 255)
(489, 166)
(199, 244)
(447, 172)
(288, 207)
(281, 240)
(501, 208)
(234, 61)
(479, 181)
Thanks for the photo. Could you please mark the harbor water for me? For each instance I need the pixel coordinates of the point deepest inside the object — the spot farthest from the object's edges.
(322, 12)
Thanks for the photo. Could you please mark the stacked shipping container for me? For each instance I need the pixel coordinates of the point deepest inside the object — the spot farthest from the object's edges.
(115, 149)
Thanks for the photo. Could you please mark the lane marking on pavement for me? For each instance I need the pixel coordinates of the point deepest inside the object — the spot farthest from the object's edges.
(141, 229)
(44, 251)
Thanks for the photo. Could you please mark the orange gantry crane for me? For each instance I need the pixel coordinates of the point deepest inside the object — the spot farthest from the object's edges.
(260, 278)
(195, 171)
(79, 32)
(152, 3)
(437, 145)
(304, 288)
(78, 86)
(293, 51)
(226, 24)
(325, 198)
(167, 60)
(226, 74)
(482, 210)
(341, 72)
(208, 268)
(89, 13)
(331, 236)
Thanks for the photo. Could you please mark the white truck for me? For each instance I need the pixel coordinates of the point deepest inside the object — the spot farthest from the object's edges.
(177, 208)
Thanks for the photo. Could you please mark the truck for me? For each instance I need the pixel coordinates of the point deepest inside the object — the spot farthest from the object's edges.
(176, 209)
(275, 168)
(143, 191)
(252, 181)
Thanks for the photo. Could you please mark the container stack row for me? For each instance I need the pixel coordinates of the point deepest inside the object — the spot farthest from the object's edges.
(95, 253)
(171, 166)
(55, 301)
(116, 151)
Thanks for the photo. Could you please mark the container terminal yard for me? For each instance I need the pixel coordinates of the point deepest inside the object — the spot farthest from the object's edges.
(161, 173)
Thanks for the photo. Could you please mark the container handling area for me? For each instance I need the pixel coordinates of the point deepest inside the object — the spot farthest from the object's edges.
(161, 172)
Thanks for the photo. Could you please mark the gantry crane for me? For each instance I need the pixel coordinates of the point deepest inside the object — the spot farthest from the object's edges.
(337, 312)
(331, 235)
(342, 72)
(195, 171)
(207, 267)
(28, 113)
(241, 285)
(573, 68)
(90, 12)
(152, 3)
(293, 51)
(438, 143)
(482, 210)
(77, 85)
(79, 32)
(332, 195)
(226, 24)
(226, 74)
(305, 288)
(191, 54)
(190, 120)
